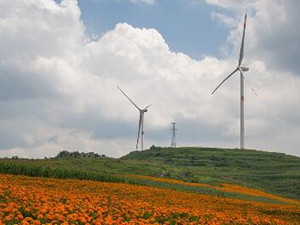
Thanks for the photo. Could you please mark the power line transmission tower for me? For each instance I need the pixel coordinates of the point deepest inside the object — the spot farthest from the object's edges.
(173, 141)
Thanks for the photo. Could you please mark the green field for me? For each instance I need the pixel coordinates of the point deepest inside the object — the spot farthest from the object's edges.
(275, 173)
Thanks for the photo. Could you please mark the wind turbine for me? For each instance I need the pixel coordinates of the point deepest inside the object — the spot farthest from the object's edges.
(242, 77)
(141, 120)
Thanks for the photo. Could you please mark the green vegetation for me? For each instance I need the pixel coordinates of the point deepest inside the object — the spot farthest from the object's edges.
(275, 173)
(272, 172)
(76, 154)
(47, 172)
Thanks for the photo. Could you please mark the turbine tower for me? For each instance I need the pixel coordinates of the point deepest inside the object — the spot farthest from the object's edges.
(242, 77)
(141, 120)
(173, 140)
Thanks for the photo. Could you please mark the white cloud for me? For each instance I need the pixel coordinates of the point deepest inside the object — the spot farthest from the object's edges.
(58, 90)
(150, 2)
(226, 20)
(232, 4)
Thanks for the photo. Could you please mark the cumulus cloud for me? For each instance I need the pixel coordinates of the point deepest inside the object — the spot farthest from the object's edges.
(150, 2)
(226, 20)
(232, 4)
(147, 2)
(58, 88)
(271, 34)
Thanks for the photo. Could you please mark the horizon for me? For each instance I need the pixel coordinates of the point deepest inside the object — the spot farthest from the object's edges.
(149, 149)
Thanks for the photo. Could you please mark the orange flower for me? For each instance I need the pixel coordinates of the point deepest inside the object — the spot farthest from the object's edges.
(55, 201)
(7, 218)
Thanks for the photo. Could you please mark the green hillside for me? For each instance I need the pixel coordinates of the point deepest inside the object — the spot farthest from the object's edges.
(272, 172)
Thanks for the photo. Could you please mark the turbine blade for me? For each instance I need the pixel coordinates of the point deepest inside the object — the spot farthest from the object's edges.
(154, 103)
(129, 98)
(252, 89)
(139, 131)
(242, 44)
(224, 80)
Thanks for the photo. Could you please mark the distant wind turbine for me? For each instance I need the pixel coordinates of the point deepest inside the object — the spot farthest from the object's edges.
(141, 120)
(242, 77)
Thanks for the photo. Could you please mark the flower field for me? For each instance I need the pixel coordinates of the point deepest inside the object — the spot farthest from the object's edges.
(225, 187)
(27, 200)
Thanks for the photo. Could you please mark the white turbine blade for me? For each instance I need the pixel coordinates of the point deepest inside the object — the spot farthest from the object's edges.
(154, 103)
(129, 98)
(243, 40)
(139, 130)
(224, 80)
(252, 89)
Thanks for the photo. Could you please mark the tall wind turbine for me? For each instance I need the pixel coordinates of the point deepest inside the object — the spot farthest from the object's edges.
(141, 120)
(241, 70)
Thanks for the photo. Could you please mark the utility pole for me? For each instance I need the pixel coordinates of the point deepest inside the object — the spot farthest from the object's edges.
(173, 140)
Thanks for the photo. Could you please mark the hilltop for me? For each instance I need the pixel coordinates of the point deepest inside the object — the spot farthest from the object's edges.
(274, 173)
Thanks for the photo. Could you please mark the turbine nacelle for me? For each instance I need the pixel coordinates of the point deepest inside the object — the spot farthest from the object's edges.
(244, 69)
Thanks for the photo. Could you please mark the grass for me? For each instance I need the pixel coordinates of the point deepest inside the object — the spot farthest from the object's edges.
(275, 173)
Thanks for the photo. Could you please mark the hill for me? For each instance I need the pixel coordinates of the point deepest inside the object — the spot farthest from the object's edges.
(274, 173)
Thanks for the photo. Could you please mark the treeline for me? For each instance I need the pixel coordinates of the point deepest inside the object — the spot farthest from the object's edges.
(76, 154)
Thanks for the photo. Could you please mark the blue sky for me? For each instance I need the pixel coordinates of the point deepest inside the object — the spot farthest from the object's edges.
(187, 27)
